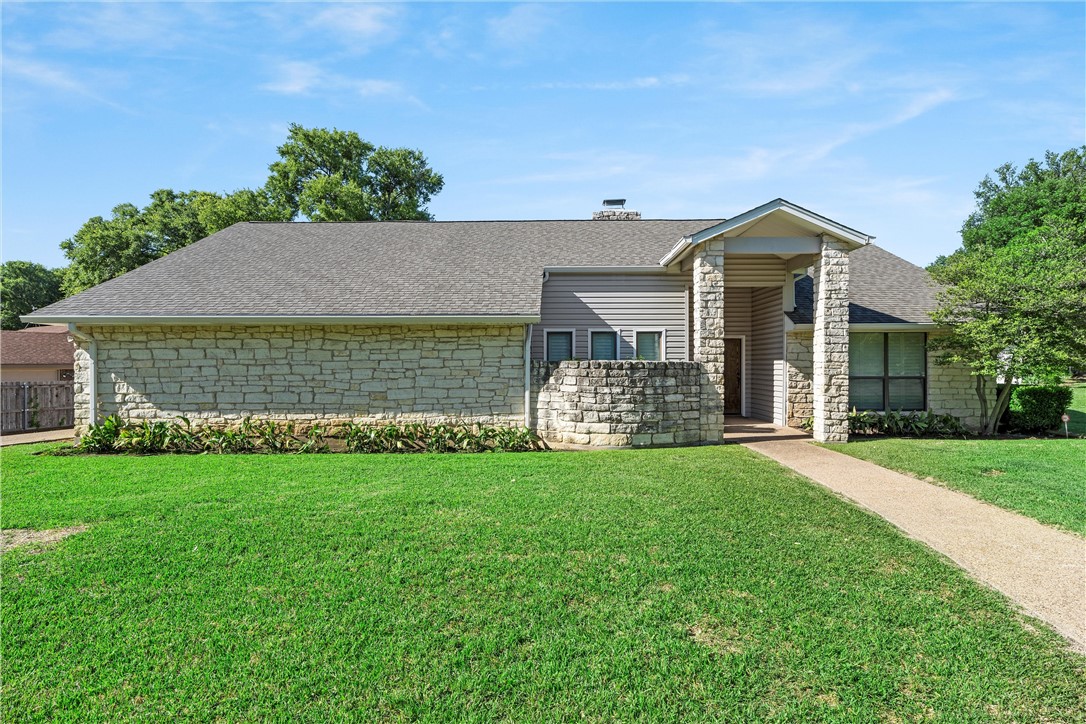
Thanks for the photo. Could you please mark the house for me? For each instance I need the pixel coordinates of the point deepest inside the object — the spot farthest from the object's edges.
(37, 354)
(612, 331)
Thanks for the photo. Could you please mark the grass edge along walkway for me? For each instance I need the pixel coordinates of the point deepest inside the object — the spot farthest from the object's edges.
(1038, 567)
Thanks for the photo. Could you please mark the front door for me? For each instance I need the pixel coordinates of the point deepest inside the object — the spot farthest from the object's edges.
(733, 376)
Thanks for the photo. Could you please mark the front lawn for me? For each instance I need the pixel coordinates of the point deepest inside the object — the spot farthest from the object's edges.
(1077, 412)
(702, 583)
(1044, 479)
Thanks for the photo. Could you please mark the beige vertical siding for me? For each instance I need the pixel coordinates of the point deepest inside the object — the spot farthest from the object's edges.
(766, 352)
(627, 302)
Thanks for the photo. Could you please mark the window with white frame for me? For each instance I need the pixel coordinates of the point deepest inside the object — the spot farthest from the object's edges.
(649, 345)
(887, 371)
(603, 344)
(558, 345)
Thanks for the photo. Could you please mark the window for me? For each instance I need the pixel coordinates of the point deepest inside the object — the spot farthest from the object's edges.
(603, 344)
(887, 370)
(649, 345)
(558, 345)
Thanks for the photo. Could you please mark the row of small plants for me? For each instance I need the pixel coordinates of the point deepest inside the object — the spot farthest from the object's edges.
(113, 435)
(900, 424)
(905, 424)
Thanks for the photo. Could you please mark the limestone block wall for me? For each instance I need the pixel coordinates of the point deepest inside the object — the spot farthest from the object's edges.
(953, 390)
(829, 380)
(621, 403)
(219, 374)
(708, 275)
(800, 369)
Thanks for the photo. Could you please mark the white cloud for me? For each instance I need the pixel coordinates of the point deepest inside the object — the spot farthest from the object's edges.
(640, 83)
(358, 21)
(301, 78)
(54, 78)
(522, 25)
(144, 27)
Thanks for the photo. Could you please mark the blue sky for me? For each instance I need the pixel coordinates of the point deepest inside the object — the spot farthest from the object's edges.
(881, 116)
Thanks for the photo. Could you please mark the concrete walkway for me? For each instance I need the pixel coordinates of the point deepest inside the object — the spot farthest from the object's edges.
(1040, 568)
(22, 438)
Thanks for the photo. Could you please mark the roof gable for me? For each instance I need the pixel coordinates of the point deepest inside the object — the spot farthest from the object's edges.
(777, 218)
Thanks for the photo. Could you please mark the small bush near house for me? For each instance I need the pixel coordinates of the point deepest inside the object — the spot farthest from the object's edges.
(113, 435)
(905, 424)
(1038, 408)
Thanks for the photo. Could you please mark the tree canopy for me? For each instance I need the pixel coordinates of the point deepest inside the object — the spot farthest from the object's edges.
(24, 287)
(321, 175)
(337, 176)
(1015, 296)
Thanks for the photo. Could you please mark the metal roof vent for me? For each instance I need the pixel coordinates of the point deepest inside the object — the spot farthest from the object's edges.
(613, 203)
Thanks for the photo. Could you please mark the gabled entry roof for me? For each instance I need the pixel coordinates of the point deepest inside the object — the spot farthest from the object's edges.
(799, 222)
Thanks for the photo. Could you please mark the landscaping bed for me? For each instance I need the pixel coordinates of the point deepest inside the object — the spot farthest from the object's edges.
(700, 583)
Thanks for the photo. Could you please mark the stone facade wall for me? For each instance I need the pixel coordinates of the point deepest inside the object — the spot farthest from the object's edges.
(800, 370)
(620, 403)
(221, 374)
(709, 335)
(616, 215)
(951, 389)
(829, 380)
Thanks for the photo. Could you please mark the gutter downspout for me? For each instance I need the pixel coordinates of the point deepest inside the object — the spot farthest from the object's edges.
(92, 381)
(528, 375)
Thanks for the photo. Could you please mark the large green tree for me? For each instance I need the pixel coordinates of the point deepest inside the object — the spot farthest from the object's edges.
(333, 175)
(24, 287)
(1015, 292)
(321, 174)
(106, 248)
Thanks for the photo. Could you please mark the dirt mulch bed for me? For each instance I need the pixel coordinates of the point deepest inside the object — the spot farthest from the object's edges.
(13, 537)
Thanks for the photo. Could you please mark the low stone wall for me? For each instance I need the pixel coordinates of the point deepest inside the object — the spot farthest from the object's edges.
(220, 374)
(617, 403)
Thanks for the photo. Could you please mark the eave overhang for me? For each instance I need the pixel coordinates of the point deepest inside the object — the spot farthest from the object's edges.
(817, 224)
(259, 320)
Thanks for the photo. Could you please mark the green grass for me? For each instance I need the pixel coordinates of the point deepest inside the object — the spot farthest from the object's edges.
(1044, 479)
(1077, 413)
(702, 583)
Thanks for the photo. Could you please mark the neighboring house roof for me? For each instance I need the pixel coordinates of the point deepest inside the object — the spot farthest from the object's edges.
(37, 346)
(882, 289)
(392, 268)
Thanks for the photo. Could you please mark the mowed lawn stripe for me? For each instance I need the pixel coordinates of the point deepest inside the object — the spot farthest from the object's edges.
(1044, 479)
(704, 583)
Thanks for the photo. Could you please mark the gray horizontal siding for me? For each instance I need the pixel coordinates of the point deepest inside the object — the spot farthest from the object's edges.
(766, 352)
(753, 271)
(626, 302)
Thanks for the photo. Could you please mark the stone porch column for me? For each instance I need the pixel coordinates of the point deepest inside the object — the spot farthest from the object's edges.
(830, 369)
(709, 336)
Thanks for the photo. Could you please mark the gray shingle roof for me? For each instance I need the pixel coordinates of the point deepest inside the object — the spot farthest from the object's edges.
(883, 289)
(374, 268)
(404, 268)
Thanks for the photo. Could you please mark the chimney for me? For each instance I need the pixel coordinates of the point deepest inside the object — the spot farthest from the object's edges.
(615, 210)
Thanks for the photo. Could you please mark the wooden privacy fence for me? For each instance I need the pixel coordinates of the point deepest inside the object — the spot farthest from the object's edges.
(36, 405)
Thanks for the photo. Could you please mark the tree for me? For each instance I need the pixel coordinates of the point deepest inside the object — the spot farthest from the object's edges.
(323, 175)
(1015, 296)
(333, 175)
(24, 287)
(106, 248)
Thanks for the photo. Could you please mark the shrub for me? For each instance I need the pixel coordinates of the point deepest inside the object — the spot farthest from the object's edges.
(905, 424)
(1038, 408)
(146, 437)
